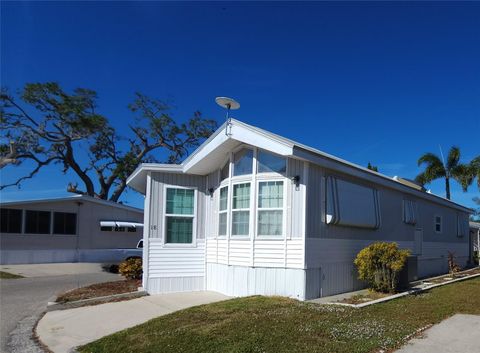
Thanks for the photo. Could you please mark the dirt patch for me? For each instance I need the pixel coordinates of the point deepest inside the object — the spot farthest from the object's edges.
(364, 298)
(99, 290)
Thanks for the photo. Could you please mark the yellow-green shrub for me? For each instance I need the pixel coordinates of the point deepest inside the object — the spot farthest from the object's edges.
(131, 268)
(379, 264)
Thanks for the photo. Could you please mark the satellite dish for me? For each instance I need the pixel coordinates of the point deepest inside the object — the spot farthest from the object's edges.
(227, 103)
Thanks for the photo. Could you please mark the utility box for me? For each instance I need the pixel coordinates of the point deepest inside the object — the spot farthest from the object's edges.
(409, 272)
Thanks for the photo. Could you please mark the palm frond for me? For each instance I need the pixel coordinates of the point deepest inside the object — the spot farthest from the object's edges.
(475, 165)
(430, 159)
(463, 174)
(453, 157)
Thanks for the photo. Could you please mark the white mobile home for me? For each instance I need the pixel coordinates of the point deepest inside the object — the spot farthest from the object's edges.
(71, 229)
(250, 212)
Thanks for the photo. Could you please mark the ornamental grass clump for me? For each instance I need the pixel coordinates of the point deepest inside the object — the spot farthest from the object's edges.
(380, 264)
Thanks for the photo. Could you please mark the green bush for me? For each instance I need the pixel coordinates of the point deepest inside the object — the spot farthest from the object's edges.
(379, 264)
(131, 268)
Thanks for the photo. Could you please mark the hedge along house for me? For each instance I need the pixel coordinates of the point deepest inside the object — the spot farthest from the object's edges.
(250, 212)
(71, 229)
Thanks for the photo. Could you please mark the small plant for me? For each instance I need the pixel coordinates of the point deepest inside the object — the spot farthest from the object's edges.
(380, 264)
(453, 266)
(131, 268)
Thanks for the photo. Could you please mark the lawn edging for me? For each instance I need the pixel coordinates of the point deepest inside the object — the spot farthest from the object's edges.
(403, 294)
(52, 306)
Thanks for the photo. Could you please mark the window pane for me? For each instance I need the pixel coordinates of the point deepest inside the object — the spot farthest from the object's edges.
(11, 220)
(240, 220)
(223, 198)
(241, 196)
(243, 162)
(180, 201)
(179, 230)
(268, 163)
(270, 194)
(37, 222)
(64, 223)
(222, 224)
(270, 222)
(224, 171)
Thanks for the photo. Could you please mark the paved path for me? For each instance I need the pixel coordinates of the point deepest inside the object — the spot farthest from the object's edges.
(458, 334)
(23, 300)
(65, 329)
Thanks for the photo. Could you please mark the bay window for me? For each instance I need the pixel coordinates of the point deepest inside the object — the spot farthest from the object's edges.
(179, 215)
(270, 208)
(252, 194)
(241, 209)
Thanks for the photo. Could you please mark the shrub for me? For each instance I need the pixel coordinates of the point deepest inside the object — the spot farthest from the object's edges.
(453, 266)
(379, 264)
(131, 268)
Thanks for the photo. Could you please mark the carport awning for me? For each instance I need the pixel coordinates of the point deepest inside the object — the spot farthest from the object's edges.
(120, 224)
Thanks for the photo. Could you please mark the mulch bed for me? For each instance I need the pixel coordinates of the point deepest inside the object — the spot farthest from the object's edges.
(99, 290)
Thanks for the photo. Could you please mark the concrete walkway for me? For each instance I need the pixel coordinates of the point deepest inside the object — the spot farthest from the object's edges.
(65, 329)
(458, 334)
(53, 269)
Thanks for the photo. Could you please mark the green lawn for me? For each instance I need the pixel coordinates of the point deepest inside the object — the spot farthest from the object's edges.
(7, 275)
(274, 324)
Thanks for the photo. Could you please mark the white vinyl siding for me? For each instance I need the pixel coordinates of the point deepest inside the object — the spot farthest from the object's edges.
(270, 208)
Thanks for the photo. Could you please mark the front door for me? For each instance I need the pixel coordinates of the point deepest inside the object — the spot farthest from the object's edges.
(418, 241)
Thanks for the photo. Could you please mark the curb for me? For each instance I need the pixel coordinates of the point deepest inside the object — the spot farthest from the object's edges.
(403, 294)
(52, 306)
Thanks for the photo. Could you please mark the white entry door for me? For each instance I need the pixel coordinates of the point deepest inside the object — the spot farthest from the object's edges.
(418, 241)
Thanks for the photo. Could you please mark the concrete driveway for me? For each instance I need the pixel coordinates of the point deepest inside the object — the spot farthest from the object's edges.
(458, 334)
(65, 329)
(23, 300)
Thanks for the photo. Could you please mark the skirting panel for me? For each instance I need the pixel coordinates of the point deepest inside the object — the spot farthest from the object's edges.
(161, 285)
(10, 257)
(239, 281)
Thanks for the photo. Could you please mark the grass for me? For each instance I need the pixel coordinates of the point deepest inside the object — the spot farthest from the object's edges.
(8, 275)
(276, 324)
(99, 290)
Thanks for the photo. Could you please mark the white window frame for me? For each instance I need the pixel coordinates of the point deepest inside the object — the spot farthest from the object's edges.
(225, 211)
(249, 209)
(165, 215)
(283, 209)
(435, 224)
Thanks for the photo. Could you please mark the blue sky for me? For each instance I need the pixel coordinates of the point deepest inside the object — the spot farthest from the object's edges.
(378, 82)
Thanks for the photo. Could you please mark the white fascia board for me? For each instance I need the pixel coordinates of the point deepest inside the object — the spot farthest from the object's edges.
(137, 180)
(351, 169)
(242, 133)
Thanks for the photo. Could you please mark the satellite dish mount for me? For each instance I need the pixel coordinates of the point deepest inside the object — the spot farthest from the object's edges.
(229, 104)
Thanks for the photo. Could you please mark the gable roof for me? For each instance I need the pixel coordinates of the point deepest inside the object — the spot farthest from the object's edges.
(84, 198)
(210, 154)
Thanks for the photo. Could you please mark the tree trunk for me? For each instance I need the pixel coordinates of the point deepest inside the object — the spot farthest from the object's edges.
(447, 187)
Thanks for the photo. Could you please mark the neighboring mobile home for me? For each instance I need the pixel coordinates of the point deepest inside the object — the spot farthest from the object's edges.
(71, 229)
(250, 212)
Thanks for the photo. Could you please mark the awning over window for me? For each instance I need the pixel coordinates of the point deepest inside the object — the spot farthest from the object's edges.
(120, 224)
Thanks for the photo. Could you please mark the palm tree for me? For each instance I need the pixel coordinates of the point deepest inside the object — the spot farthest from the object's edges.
(475, 166)
(452, 169)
